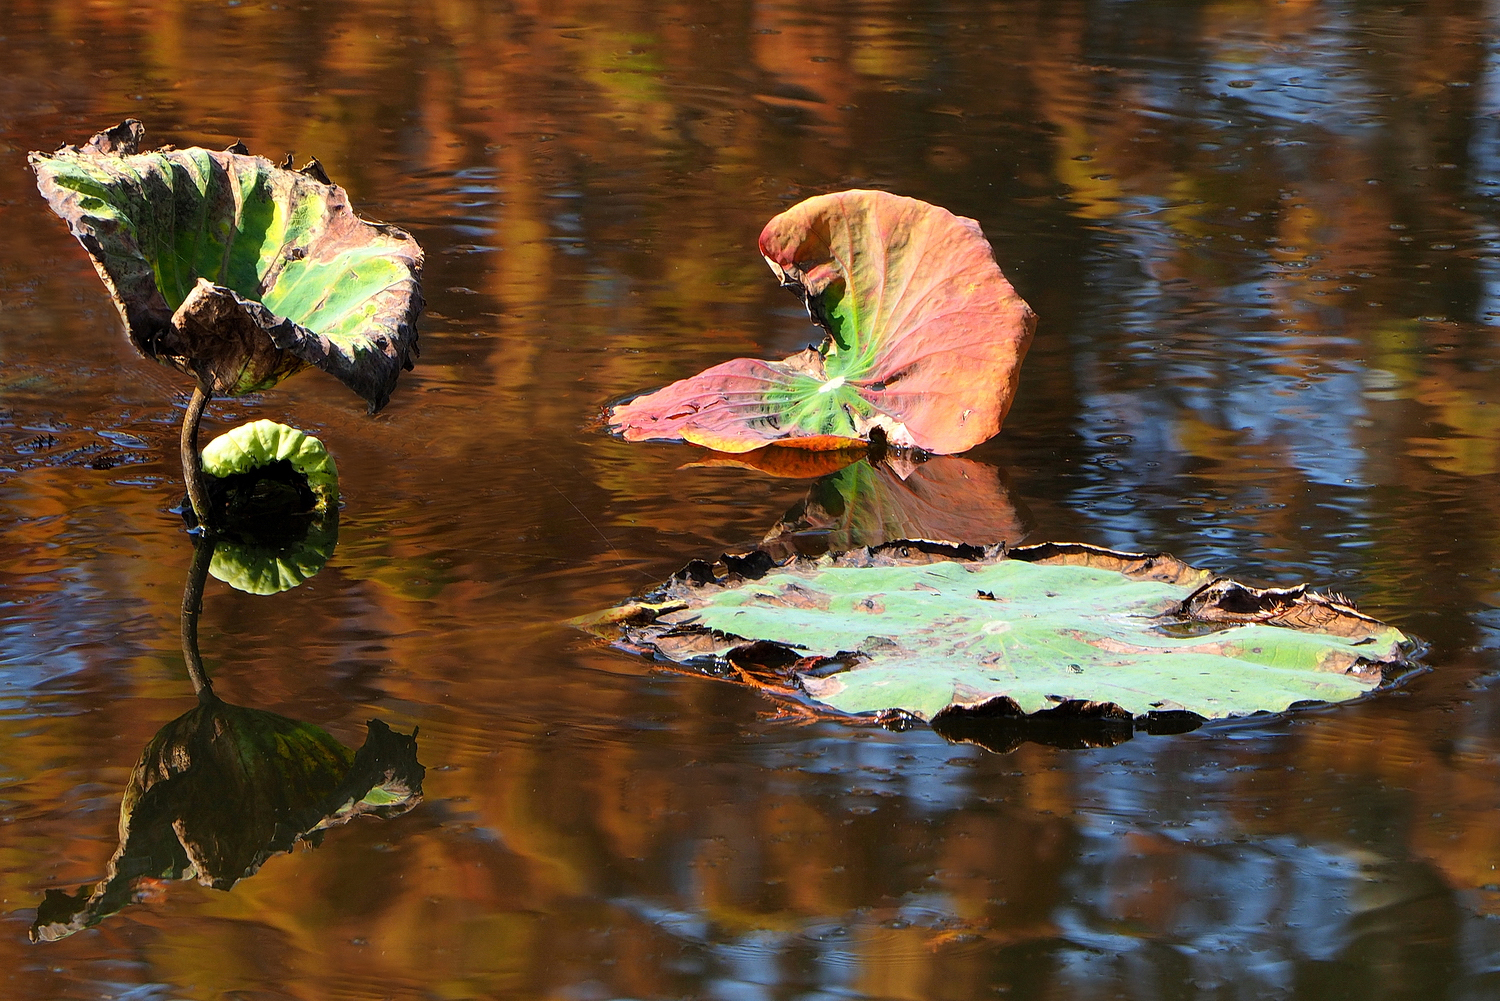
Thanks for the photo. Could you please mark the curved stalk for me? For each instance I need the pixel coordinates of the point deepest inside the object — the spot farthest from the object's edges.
(192, 605)
(192, 465)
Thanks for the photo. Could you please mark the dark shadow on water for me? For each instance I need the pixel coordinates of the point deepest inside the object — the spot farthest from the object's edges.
(1059, 727)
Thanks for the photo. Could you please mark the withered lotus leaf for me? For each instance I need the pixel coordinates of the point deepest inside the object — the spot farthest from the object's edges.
(924, 338)
(237, 271)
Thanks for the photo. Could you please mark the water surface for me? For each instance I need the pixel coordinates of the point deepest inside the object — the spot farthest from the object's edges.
(1264, 243)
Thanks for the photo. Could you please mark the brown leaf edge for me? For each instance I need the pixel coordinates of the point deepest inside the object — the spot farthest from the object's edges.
(164, 335)
(999, 724)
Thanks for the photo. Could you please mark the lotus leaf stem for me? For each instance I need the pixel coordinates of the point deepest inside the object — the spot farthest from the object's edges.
(192, 465)
(192, 606)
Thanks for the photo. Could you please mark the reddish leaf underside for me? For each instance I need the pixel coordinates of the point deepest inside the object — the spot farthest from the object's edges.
(925, 338)
(783, 462)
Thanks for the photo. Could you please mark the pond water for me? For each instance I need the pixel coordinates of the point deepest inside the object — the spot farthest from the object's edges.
(1263, 239)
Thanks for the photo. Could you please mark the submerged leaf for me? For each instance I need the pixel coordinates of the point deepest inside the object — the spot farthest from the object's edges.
(1046, 629)
(924, 342)
(237, 271)
(221, 789)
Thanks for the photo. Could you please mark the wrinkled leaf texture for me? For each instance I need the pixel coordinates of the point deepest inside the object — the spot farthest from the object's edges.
(924, 338)
(1044, 628)
(237, 271)
(258, 565)
(260, 443)
(276, 490)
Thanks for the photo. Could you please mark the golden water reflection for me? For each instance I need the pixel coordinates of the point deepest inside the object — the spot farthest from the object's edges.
(1261, 239)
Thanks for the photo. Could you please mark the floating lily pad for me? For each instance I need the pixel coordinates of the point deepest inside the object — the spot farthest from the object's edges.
(237, 271)
(924, 632)
(221, 789)
(923, 346)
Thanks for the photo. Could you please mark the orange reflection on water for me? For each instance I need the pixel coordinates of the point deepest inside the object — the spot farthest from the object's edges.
(1238, 361)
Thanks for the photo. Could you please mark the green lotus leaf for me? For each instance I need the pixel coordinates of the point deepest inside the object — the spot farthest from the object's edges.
(1045, 628)
(221, 789)
(259, 444)
(237, 271)
(274, 489)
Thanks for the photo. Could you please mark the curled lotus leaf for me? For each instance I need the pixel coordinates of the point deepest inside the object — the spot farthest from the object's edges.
(924, 339)
(277, 488)
(237, 271)
(221, 789)
(916, 631)
(261, 443)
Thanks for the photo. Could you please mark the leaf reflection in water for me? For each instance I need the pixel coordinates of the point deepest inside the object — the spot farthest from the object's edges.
(944, 499)
(222, 788)
(871, 500)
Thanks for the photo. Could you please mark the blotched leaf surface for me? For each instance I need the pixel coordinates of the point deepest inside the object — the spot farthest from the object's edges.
(1020, 636)
(237, 271)
(925, 338)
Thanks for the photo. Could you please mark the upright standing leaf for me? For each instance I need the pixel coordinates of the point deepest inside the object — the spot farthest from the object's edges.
(925, 338)
(237, 271)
